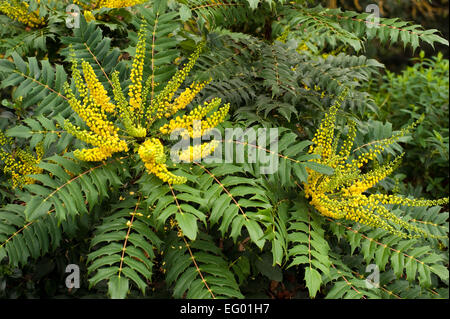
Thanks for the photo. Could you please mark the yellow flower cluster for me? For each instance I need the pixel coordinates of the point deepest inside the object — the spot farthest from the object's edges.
(92, 110)
(185, 97)
(192, 125)
(104, 135)
(93, 105)
(118, 3)
(89, 16)
(152, 154)
(96, 89)
(112, 4)
(342, 195)
(211, 121)
(130, 119)
(18, 10)
(197, 152)
(19, 163)
(135, 89)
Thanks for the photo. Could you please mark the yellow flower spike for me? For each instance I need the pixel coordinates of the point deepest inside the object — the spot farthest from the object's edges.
(324, 139)
(341, 195)
(187, 121)
(348, 143)
(19, 163)
(103, 132)
(92, 154)
(76, 75)
(197, 152)
(152, 154)
(152, 150)
(129, 119)
(96, 89)
(159, 106)
(89, 16)
(362, 182)
(186, 97)
(110, 142)
(111, 4)
(135, 90)
(93, 104)
(114, 4)
(212, 121)
(91, 115)
(18, 10)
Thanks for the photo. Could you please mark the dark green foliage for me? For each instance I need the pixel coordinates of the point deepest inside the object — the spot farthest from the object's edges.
(420, 89)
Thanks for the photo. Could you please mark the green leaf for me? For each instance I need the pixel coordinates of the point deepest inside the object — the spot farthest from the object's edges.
(313, 280)
(36, 208)
(118, 287)
(188, 224)
(132, 274)
(255, 232)
(159, 6)
(2, 253)
(301, 172)
(19, 131)
(265, 266)
(440, 270)
(20, 63)
(185, 13)
(320, 168)
(411, 269)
